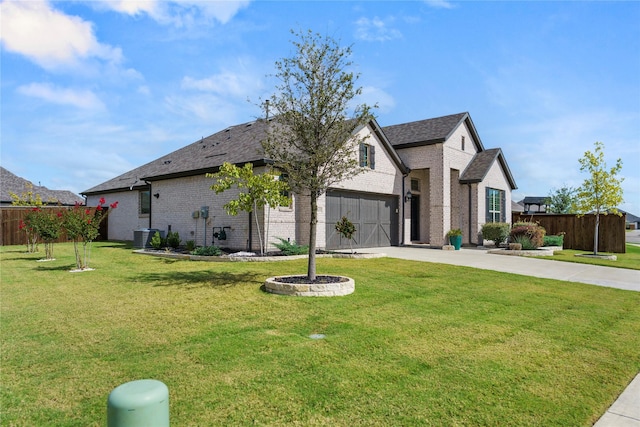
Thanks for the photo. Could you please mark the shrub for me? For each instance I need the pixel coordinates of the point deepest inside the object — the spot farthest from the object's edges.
(532, 231)
(291, 248)
(173, 239)
(553, 240)
(190, 245)
(157, 241)
(524, 242)
(454, 232)
(496, 231)
(207, 251)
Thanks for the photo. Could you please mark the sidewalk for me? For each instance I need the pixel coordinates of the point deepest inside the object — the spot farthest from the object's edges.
(625, 411)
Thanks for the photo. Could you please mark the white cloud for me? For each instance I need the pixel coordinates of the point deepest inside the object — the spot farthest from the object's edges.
(239, 81)
(83, 99)
(180, 13)
(375, 30)
(50, 38)
(440, 4)
(373, 95)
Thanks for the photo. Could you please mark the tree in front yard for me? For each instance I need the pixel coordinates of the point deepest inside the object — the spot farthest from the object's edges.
(255, 192)
(601, 192)
(311, 137)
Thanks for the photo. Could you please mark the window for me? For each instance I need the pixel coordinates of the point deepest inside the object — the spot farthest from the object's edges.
(495, 205)
(415, 185)
(367, 155)
(145, 202)
(284, 177)
(462, 143)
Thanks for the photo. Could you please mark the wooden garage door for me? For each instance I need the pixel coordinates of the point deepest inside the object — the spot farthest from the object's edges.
(375, 217)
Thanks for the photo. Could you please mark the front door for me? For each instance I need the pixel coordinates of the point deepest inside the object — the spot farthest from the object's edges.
(415, 218)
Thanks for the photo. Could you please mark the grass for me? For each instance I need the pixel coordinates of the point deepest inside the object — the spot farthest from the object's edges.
(416, 344)
(630, 259)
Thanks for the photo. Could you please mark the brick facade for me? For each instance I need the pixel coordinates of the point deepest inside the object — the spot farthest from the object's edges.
(443, 201)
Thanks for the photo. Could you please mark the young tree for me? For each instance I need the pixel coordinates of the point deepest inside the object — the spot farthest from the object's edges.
(28, 198)
(601, 192)
(257, 191)
(312, 136)
(560, 200)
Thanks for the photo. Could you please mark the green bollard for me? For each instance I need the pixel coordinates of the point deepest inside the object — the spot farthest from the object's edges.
(141, 403)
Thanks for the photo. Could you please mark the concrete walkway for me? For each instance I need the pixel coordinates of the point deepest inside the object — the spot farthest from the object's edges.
(625, 411)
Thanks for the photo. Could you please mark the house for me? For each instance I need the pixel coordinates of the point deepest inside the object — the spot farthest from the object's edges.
(11, 183)
(420, 179)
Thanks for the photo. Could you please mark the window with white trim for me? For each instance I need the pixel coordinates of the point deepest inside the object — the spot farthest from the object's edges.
(495, 209)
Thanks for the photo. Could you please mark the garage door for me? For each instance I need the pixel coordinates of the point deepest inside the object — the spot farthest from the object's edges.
(375, 217)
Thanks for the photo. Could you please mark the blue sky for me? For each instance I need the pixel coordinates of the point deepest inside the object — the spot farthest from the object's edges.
(91, 89)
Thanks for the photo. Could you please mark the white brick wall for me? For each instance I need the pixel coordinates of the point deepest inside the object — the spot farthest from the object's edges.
(123, 220)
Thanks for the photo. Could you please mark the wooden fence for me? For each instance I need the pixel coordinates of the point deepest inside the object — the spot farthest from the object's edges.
(10, 233)
(579, 231)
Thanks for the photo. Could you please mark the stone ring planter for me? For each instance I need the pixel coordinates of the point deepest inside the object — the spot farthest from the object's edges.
(287, 285)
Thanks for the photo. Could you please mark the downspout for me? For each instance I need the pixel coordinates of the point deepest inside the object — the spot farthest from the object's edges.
(470, 214)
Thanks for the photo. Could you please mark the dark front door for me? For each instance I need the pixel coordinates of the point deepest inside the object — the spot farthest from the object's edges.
(415, 218)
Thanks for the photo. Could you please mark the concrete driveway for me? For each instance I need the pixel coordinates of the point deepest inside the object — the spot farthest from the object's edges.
(619, 278)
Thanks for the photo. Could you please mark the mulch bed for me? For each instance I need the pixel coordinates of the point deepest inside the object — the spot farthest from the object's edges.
(301, 280)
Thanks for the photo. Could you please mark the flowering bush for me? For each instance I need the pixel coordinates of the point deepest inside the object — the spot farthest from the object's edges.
(83, 226)
(532, 231)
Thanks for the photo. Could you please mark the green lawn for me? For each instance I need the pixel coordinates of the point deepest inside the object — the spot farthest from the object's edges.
(630, 259)
(416, 344)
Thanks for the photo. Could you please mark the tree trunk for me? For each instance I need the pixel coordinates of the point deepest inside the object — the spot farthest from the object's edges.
(595, 236)
(311, 268)
(255, 215)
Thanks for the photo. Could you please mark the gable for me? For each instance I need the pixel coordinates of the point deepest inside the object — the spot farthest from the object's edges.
(481, 164)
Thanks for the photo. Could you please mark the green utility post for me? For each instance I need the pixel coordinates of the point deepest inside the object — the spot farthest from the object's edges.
(141, 403)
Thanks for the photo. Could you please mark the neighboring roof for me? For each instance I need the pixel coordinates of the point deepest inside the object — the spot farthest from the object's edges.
(11, 183)
(535, 200)
(430, 131)
(480, 165)
(629, 216)
(516, 207)
(236, 144)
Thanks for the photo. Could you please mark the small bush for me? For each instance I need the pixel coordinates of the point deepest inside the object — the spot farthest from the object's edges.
(173, 239)
(291, 248)
(496, 231)
(207, 251)
(532, 231)
(157, 241)
(524, 242)
(190, 245)
(553, 240)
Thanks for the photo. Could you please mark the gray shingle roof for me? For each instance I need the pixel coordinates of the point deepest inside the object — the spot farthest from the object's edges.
(236, 144)
(480, 165)
(9, 182)
(424, 132)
